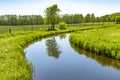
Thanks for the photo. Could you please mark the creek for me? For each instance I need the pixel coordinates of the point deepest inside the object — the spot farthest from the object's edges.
(54, 58)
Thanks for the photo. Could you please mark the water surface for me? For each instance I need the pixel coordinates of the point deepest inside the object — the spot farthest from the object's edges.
(56, 59)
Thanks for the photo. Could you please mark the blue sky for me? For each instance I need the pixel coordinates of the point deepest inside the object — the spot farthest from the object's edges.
(28, 7)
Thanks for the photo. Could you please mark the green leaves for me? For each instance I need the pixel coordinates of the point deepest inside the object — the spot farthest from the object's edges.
(62, 25)
(117, 19)
(51, 13)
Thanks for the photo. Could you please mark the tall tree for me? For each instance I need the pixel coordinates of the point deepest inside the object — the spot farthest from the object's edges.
(87, 18)
(77, 18)
(97, 19)
(92, 18)
(51, 13)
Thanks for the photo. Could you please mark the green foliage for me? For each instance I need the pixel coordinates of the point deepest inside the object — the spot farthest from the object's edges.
(104, 18)
(62, 25)
(51, 14)
(92, 17)
(118, 55)
(113, 54)
(117, 20)
(103, 41)
(87, 18)
(21, 20)
(53, 18)
(46, 21)
(111, 17)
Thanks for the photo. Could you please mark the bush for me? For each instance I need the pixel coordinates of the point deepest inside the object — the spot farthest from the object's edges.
(62, 25)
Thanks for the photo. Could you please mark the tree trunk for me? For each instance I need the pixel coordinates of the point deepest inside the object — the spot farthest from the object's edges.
(52, 26)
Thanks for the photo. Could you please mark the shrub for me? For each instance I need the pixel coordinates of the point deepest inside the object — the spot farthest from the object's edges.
(62, 25)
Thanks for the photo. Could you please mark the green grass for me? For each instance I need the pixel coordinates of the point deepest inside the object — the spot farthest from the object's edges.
(13, 64)
(104, 42)
(14, 29)
(26, 28)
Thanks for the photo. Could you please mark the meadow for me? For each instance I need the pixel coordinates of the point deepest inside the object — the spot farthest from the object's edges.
(26, 28)
(13, 64)
(103, 42)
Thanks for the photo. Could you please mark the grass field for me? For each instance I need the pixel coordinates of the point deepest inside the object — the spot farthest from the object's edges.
(13, 64)
(104, 42)
(26, 28)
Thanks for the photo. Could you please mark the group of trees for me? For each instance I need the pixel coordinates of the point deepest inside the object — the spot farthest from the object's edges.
(69, 19)
(52, 17)
(79, 18)
(117, 19)
(21, 20)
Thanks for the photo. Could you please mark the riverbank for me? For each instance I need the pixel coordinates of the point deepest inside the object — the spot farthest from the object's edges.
(102, 41)
(13, 64)
(104, 61)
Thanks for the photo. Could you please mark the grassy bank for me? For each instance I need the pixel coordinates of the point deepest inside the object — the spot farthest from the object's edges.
(100, 41)
(104, 61)
(13, 64)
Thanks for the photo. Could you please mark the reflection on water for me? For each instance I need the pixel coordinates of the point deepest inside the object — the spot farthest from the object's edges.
(104, 61)
(53, 48)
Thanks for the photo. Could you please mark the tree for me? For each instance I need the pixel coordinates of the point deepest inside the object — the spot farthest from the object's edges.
(77, 18)
(67, 19)
(92, 18)
(51, 14)
(97, 19)
(87, 18)
(104, 18)
(117, 20)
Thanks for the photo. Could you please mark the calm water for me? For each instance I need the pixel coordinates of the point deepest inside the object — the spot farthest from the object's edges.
(56, 59)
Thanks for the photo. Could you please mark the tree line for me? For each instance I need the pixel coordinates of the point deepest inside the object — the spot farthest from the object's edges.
(21, 20)
(69, 19)
(79, 18)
